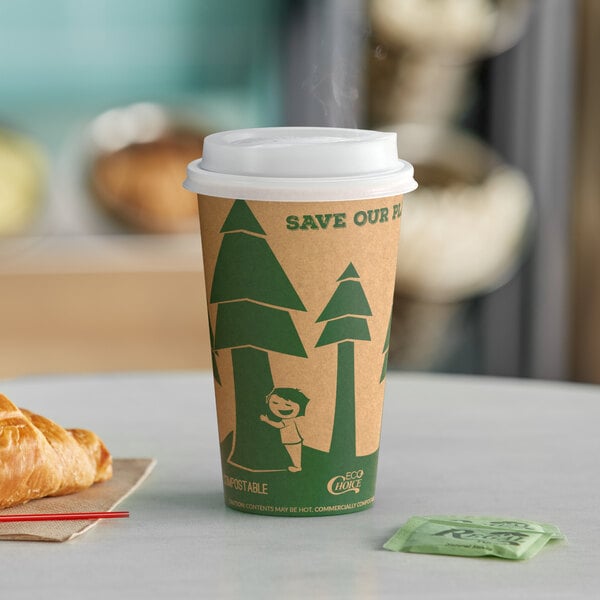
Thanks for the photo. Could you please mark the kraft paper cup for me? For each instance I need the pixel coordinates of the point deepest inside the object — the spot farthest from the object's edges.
(299, 231)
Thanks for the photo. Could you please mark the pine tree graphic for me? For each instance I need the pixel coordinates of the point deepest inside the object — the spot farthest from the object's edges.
(214, 355)
(345, 323)
(253, 296)
(386, 351)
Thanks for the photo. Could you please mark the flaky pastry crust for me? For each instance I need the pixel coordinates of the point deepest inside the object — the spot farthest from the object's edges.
(39, 458)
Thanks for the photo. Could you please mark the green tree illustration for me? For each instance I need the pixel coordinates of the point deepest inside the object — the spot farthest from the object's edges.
(386, 351)
(253, 296)
(214, 355)
(345, 323)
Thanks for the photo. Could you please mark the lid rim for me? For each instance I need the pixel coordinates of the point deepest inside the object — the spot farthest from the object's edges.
(404, 167)
(293, 189)
(302, 163)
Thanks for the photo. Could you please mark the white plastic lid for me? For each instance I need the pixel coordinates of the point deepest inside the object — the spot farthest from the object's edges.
(300, 163)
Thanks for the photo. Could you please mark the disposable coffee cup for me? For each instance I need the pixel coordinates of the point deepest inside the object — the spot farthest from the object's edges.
(299, 231)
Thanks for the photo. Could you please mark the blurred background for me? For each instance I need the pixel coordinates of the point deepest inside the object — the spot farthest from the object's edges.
(102, 105)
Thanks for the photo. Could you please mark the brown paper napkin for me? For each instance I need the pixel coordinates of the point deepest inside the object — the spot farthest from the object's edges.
(128, 474)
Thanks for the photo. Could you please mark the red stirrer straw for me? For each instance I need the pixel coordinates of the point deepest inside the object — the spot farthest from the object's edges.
(85, 516)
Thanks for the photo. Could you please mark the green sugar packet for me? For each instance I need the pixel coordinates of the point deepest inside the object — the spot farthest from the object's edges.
(504, 523)
(515, 539)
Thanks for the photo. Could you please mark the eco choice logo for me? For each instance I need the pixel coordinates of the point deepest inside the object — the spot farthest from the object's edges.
(348, 482)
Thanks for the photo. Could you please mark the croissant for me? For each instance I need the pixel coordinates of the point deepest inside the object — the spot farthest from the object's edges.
(39, 458)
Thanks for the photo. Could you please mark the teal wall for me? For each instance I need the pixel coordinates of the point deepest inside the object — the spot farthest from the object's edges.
(76, 57)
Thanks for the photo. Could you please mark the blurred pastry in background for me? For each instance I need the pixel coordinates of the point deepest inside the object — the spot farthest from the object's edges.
(467, 225)
(137, 172)
(22, 177)
(423, 54)
(465, 232)
(458, 30)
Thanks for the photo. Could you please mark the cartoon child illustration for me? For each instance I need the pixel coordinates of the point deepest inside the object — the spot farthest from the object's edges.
(286, 404)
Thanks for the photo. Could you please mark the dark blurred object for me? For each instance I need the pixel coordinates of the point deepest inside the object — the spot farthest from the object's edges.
(22, 176)
(138, 172)
(585, 232)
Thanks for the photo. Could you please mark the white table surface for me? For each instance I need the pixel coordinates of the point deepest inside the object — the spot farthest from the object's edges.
(450, 445)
